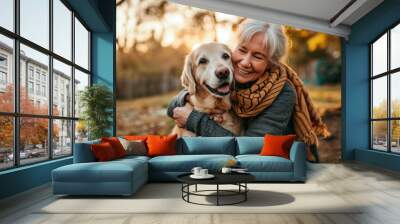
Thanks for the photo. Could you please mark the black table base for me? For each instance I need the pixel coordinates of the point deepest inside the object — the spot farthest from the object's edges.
(241, 191)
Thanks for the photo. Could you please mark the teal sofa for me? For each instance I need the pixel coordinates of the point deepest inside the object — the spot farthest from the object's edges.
(125, 176)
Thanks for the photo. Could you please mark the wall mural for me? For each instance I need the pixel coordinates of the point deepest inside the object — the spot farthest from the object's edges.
(254, 78)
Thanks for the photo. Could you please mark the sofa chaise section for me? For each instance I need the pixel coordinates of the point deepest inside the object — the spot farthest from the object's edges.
(87, 177)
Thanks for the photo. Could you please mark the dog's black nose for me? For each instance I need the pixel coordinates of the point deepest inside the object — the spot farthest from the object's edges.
(222, 73)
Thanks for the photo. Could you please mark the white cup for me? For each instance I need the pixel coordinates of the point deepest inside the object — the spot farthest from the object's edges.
(203, 172)
(196, 171)
(226, 170)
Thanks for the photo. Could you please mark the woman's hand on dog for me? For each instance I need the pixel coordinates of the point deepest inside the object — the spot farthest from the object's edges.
(181, 114)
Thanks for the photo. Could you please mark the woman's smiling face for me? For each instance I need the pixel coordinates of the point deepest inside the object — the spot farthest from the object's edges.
(250, 59)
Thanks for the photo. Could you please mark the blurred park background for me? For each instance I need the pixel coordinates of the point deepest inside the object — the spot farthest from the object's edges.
(153, 37)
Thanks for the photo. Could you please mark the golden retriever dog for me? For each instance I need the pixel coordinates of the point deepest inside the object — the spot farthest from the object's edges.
(208, 77)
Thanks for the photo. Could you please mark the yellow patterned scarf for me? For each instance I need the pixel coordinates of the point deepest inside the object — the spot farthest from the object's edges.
(252, 101)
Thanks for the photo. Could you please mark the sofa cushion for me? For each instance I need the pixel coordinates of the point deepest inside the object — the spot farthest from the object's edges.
(206, 145)
(135, 137)
(185, 163)
(160, 145)
(249, 145)
(134, 147)
(83, 152)
(116, 145)
(257, 163)
(131, 158)
(103, 152)
(111, 171)
(277, 145)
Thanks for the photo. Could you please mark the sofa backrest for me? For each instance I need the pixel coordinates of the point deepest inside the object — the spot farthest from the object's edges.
(190, 146)
(249, 145)
(205, 145)
(83, 152)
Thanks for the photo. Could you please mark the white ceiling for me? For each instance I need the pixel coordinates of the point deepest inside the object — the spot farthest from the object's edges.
(321, 9)
(319, 15)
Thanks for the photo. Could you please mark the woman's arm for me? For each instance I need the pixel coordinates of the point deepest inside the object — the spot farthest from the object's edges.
(177, 101)
(197, 122)
(201, 124)
(274, 119)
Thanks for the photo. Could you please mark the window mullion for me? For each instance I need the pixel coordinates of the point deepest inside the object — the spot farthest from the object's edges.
(73, 82)
(16, 84)
(371, 89)
(50, 79)
(389, 76)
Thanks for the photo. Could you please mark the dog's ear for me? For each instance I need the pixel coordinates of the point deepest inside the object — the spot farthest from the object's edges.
(187, 77)
(227, 48)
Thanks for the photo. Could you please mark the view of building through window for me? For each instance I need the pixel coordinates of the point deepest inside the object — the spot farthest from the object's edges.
(32, 111)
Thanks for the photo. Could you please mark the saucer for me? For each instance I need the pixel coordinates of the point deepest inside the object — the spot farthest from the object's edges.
(208, 176)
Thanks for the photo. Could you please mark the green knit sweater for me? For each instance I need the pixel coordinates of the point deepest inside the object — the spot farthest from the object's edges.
(275, 119)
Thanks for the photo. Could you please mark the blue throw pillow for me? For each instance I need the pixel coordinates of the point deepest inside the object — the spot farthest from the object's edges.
(206, 145)
(249, 145)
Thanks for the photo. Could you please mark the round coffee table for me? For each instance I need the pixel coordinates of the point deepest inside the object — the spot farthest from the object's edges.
(238, 179)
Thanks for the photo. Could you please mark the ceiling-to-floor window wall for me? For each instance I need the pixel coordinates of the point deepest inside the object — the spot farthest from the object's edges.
(44, 64)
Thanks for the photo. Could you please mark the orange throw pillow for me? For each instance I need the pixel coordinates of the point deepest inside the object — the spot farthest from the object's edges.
(161, 145)
(116, 145)
(103, 151)
(277, 145)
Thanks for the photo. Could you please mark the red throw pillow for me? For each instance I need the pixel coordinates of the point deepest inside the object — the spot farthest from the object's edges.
(277, 145)
(116, 145)
(103, 151)
(161, 145)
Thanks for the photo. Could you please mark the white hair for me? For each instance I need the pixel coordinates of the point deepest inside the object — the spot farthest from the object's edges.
(275, 41)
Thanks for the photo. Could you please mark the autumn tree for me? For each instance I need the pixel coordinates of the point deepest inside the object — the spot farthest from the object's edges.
(307, 46)
(33, 130)
(6, 122)
(380, 128)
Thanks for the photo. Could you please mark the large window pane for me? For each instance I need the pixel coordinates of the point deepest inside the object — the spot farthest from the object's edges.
(395, 47)
(35, 21)
(81, 45)
(7, 14)
(62, 29)
(34, 81)
(6, 74)
(379, 97)
(6, 142)
(395, 94)
(81, 131)
(33, 139)
(81, 81)
(395, 136)
(62, 89)
(379, 55)
(62, 138)
(379, 135)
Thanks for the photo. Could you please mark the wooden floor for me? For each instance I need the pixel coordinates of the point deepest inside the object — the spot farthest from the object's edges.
(377, 188)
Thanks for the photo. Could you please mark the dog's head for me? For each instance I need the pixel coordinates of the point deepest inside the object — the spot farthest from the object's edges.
(209, 66)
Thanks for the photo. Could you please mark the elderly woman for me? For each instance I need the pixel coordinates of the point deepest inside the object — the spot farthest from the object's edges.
(269, 97)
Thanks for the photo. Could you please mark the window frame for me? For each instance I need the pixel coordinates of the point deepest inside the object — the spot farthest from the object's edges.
(16, 114)
(3, 70)
(388, 74)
